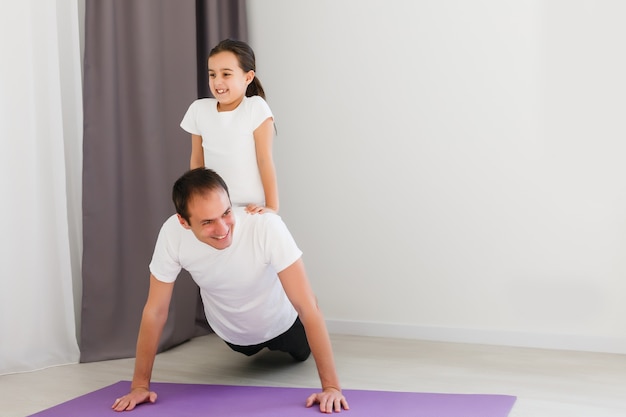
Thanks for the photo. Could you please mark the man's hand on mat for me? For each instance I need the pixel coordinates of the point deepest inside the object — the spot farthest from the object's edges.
(330, 400)
(136, 396)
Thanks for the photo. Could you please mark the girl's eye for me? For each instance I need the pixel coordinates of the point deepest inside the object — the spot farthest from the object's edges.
(211, 75)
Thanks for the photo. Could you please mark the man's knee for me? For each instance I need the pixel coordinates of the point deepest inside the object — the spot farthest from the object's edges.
(302, 354)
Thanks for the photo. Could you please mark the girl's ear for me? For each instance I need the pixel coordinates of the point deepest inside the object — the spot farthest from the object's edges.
(250, 76)
(183, 222)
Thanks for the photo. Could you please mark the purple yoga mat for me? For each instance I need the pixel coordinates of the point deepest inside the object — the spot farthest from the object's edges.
(196, 400)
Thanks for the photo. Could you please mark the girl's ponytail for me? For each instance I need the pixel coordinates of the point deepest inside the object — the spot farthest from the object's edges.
(255, 88)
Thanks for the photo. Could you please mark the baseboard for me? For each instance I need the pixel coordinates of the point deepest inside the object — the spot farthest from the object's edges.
(478, 336)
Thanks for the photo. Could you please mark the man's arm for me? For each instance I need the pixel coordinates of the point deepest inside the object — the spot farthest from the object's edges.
(152, 322)
(300, 293)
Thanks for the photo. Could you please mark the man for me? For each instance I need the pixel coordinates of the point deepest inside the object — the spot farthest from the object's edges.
(252, 280)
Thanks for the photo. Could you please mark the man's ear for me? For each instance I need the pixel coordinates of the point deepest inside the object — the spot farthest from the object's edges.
(183, 222)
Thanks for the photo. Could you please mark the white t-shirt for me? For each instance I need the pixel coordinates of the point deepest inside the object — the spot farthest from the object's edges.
(244, 300)
(228, 143)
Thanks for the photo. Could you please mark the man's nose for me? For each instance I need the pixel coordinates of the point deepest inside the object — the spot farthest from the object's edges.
(221, 227)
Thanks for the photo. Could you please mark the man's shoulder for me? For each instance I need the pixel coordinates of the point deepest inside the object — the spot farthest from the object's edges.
(172, 226)
(259, 221)
(173, 219)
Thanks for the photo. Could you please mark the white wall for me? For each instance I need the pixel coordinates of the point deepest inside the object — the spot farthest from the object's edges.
(454, 170)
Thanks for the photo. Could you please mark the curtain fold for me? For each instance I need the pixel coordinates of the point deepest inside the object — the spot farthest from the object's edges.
(141, 74)
(215, 21)
(40, 118)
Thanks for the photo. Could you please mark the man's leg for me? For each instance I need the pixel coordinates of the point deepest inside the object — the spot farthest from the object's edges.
(246, 350)
(293, 341)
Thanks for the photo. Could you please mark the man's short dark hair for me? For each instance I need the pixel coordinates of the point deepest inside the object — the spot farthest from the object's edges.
(197, 181)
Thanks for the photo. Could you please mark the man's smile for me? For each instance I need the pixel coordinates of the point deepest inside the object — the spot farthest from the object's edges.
(223, 236)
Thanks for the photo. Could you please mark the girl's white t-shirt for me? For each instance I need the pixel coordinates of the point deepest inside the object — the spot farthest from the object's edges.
(228, 143)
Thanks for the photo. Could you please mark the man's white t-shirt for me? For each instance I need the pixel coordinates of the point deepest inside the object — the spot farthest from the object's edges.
(244, 300)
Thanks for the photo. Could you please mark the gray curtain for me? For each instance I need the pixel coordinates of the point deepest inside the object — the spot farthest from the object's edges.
(145, 62)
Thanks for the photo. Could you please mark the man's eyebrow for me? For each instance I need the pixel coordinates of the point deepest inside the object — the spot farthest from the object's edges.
(210, 220)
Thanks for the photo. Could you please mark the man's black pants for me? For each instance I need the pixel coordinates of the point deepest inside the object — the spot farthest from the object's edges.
(293, 341)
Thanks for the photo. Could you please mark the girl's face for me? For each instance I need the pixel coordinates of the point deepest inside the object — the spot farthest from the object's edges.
(228, 82)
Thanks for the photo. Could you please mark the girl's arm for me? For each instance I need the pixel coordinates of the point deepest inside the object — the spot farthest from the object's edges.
(263, 137)
(197, 153)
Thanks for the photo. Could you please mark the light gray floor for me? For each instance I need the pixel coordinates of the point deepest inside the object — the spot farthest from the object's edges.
(548, 383)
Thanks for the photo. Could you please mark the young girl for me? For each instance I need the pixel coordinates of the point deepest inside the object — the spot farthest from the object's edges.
(233, 132)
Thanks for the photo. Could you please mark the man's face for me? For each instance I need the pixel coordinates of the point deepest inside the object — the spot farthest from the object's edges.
(211, 219)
